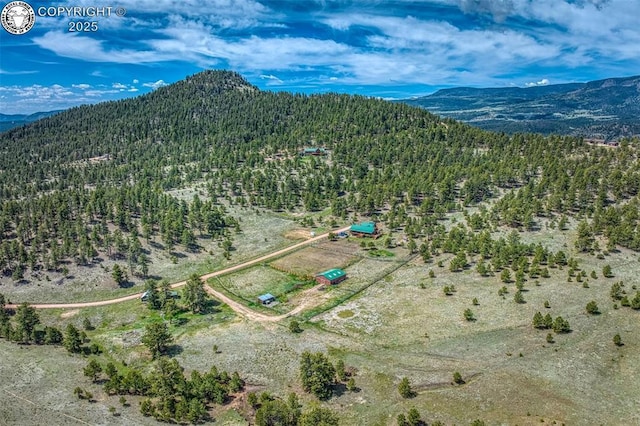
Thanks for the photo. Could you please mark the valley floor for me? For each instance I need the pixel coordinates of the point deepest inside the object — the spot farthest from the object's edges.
(388, 320)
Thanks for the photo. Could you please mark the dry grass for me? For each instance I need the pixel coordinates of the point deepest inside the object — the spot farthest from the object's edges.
(311, 260)
(421, 333)
(252, 282)
(393, 328)
(298, 234)
(261, 233)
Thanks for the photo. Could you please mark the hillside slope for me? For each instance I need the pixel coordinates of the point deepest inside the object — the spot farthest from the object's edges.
(90, 180)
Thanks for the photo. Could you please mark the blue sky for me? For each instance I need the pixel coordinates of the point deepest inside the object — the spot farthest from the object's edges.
(389, 49)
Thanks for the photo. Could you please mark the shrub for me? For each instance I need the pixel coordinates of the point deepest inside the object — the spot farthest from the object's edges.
(457, 378)
(617, 340)
(592, 308)
(468, 315)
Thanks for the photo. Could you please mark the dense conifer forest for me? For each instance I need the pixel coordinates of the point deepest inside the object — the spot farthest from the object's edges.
(95, 179)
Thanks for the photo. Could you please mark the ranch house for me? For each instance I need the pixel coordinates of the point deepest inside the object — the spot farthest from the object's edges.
(314, 151)
(365, 229)
(332, 276)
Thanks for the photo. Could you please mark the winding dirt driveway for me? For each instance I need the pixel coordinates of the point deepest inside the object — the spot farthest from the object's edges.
(236, 306)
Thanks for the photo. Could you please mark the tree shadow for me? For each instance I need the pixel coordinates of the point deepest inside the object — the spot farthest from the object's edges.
(156, 245)
(210, 306)
(180, 321)
(126, 284)
(339, 389)
(174, 350)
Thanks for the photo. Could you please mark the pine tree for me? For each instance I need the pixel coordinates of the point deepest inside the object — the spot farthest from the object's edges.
(538, 320)
(194, 295)
(27, 318)
(592, 308)
(72, 339)
(157, 338)
(93, 370)
(317, 374)
(404, 388)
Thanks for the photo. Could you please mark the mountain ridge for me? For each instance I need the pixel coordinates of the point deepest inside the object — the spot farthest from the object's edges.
(606, 109)
(9, 121)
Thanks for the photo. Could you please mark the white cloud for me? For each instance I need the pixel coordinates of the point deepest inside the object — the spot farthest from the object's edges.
(272, 80)
(155, 85)
(71, 45)
(136, 81)
(29, 99)
(398, 49)
(3, 71)
(36, 97)
(119, 86)
(499, 9)
(542, 82)
(224, 14)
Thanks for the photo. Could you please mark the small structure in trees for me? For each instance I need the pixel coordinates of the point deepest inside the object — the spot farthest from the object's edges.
(172, 294)
(332, 276)
(267, 298)
(315, 151)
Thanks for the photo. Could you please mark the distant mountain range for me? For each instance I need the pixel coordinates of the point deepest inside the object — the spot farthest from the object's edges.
(604, 109)
(9, 121)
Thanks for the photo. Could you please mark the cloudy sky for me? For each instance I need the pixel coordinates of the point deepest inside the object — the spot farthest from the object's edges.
(386, 48)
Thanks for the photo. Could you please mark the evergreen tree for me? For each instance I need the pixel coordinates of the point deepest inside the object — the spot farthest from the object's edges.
(157, 338)
(560, 325)
(317, 374)
(118, 275)
(194, 295)
(413, 417)
(53, 336)
(538, 320)
(153, 299)
(457, 378)
(27, 318)
(592, 308)
(72, 339)
(318, 416)
(404, 388)
(93, 370)
(468, 315)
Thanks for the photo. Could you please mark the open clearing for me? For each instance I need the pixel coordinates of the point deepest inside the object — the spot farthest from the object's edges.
(387, 320)
(318, 258)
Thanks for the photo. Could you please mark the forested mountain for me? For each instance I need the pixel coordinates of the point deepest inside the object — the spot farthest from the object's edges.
(9, 121)
(602, 109)
(94, 179)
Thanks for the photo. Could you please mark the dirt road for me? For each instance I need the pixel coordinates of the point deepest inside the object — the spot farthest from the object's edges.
(236, 306)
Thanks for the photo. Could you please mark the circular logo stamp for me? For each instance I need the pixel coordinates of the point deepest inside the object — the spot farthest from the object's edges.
(18, 17)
